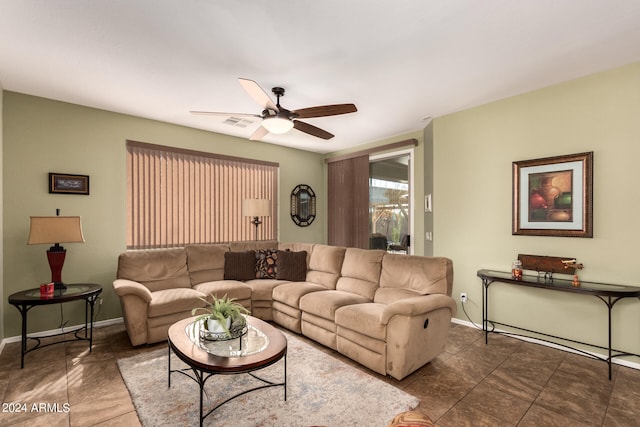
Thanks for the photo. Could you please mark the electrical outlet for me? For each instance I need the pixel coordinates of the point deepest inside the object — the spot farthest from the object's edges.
(463, 297)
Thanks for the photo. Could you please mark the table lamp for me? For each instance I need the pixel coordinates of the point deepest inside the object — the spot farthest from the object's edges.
(256, 208)
(55, 230)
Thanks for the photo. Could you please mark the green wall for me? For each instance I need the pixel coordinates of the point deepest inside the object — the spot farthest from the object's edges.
(473, 155)
(42, 136)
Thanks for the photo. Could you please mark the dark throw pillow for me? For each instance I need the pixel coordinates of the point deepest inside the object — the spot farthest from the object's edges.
(266, 262)
(292, 266)
(239, 265)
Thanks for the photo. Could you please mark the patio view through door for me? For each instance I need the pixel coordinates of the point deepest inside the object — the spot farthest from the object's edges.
(390, 201)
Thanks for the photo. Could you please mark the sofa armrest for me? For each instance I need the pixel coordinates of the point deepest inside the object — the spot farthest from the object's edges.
(124, 287)
(418, 305)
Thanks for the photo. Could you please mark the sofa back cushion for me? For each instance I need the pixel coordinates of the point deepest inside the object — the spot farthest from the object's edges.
(297, 247)
(325, 264)
(253, 245)
(360, 272)
(156, 269)
(422, 274)
(206, 262)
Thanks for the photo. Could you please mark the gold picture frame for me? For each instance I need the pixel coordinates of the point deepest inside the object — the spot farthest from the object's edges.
(553, 196)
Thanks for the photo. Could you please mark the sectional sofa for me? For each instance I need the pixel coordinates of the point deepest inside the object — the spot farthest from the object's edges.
(389, 312)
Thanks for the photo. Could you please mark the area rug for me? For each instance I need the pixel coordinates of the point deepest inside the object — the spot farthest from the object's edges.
(321, 391)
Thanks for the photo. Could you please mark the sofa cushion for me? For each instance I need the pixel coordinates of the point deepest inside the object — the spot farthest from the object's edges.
(252, 245)
(425, 275)
(297, 247)
(262, 289)
(363, 318)
(206, 262)
(239, 265)
(325, 264)
(156, 269)
(325, 303)
(360, 272)
(266, 266)
(390, 295)
(231, 288)
(290, 293)
(292, 266)
(169, 301)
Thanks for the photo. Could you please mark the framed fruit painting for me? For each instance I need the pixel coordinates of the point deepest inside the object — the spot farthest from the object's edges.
(553, 196)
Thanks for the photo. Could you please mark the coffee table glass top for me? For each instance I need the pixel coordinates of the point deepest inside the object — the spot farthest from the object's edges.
(252, 342)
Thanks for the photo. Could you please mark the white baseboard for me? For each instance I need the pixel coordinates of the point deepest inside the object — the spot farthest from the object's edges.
(97, 324)
(620, 362)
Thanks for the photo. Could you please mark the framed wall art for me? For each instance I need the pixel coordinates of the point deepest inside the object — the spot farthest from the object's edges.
(62, 183)
(553, 196)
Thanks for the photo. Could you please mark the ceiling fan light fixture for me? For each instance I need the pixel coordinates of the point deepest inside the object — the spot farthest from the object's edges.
(277, 124)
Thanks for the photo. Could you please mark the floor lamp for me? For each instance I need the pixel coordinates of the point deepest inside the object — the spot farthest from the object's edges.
(256, 208)
(55, 230)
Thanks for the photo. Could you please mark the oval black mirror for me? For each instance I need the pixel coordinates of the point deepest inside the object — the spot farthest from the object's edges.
(303, 205)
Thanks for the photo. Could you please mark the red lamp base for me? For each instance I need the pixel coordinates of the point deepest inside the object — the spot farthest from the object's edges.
(56, 261)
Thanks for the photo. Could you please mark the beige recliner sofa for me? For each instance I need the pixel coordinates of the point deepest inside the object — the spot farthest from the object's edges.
(391, 313)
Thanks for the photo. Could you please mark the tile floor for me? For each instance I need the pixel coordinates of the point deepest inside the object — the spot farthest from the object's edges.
(506, 383)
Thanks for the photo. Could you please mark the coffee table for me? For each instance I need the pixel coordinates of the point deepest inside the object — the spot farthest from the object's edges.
(262, 345)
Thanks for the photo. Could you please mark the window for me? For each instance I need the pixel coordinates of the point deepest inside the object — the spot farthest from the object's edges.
(177, 197)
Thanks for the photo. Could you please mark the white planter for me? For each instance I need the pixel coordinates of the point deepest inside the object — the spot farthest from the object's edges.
(214, 326)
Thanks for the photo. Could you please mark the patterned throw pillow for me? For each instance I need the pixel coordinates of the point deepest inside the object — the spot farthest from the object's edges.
(266, 264)
(239, 265)
(292, 266)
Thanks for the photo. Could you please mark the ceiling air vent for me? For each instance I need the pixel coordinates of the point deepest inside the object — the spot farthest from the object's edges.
(237, 122)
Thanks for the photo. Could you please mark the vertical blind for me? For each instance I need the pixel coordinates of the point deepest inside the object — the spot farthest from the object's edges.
(177, 197)
(348, 204)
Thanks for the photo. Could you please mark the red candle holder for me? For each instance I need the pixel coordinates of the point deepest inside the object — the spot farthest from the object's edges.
(46, 290)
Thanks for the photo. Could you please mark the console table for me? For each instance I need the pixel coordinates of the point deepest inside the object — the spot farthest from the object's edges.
(609, 294)
(26, 300)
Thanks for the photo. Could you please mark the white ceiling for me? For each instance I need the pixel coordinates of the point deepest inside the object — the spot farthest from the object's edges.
(399, 61)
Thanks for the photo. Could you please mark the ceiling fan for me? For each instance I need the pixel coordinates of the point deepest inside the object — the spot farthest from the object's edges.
(277, 119)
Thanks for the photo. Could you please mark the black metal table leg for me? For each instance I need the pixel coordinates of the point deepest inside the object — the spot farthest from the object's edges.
(23, 347)
(485, 309)
(91, 302)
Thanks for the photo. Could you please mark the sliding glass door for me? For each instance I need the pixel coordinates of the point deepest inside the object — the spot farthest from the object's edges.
(390, 201)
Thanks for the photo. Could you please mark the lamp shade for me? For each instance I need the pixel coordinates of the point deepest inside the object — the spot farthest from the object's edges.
(55, 229)
(256, 207)
(277, 124)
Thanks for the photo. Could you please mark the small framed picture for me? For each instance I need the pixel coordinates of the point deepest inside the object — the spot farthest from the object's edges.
(554, 196)
(63, 183)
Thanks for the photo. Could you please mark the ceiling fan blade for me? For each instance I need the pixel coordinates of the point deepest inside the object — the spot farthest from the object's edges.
(258, 94)
(259, 133)
(312, 130)
(325, 110)
(216, 113)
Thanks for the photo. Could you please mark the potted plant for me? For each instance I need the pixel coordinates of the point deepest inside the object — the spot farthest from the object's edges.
(220, 314)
